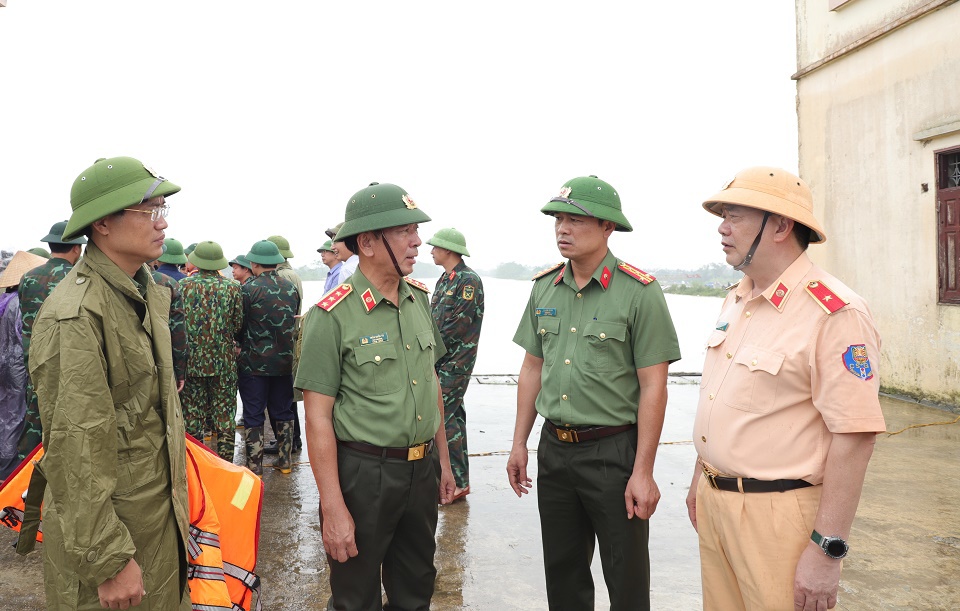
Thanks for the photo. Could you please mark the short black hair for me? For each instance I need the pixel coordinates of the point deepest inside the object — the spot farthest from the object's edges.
(58, 248)
(265, 266)
(351, 244)
(803, 234)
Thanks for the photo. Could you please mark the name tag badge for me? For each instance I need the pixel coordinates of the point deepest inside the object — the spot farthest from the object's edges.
(546, 311)
(379, 338)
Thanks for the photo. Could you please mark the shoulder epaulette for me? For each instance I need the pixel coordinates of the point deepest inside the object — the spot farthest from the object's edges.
(417, 284)
(544, 272)
(637, 274)
(334, 297)
(827, 299)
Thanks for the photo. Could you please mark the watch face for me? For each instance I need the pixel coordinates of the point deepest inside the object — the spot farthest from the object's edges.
(836, 548)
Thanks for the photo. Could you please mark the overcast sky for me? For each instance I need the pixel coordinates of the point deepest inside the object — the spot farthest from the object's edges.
(270, 115)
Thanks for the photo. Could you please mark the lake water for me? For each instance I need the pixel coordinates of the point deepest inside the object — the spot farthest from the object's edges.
(693, 317)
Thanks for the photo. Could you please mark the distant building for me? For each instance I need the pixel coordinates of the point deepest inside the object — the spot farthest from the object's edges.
(878, 102)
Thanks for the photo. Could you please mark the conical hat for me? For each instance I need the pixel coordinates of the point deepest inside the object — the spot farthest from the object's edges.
(21, 263)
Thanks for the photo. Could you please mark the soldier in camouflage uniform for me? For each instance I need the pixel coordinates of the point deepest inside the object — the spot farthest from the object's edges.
(178, 327)
(285, 270)
(270, 306)
(214, 315)
(34, 288)
(457, 307)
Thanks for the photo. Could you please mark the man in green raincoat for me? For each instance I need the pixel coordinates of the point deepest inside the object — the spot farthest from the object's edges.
(115, 514)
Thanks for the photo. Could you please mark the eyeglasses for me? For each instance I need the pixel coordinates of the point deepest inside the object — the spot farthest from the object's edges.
(160, 212)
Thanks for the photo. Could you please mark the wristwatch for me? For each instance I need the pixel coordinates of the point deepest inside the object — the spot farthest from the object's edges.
(835, 547)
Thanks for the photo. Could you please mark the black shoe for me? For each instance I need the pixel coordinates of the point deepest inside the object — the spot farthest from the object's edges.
(270, 447)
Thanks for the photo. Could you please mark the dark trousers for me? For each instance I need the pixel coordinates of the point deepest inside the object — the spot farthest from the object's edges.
(580, 490)
(261, 392)
(394, 508)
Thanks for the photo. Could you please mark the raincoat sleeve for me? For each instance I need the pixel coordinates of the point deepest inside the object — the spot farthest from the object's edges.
(80, 464)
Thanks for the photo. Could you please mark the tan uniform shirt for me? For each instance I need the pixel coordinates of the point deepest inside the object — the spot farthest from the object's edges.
(782, 375)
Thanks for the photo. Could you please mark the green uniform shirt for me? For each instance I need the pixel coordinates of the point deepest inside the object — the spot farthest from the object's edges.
(213, 306)
(592, 341)
(377, 360)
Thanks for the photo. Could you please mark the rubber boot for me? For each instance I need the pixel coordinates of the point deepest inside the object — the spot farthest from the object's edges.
(284, 461)
(254, 443)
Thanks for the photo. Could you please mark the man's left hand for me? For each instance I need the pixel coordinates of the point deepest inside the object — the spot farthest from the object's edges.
(816, 582)
(447, 485)
(641, 496)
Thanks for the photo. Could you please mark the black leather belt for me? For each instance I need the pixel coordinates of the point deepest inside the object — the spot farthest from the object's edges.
(747, 484)
(586, 434)
(412, 453)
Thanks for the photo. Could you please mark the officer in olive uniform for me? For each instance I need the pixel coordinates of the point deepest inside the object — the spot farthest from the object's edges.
(35, 286)
(374, 414)
(457, 307)
(285, 270)
(599, 339)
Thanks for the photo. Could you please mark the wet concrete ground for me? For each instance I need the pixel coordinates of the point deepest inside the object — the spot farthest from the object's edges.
(905, 545)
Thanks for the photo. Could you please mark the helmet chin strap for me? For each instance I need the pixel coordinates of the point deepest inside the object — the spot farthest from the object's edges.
(392, 256)
(753, 249)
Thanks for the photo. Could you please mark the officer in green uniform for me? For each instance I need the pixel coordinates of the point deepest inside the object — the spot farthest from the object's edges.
(457, 306)
(285, 270)
(373, 412)
(598, 338)
(213, 306)
(35, 286)
(115, 512)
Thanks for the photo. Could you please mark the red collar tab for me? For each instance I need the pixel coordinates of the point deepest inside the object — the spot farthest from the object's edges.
(334, 297)
(779, 296)
(635, 273)
(827, 299)
(605, 277)
(369, 302)
(559, 277)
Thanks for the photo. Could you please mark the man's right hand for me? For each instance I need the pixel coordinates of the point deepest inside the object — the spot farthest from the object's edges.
(339, 534)
(123, 591)
(517, 471)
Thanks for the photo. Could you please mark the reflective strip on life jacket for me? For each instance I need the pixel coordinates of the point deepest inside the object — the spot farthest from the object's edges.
(249, 579)
(198, 571)
(200, 607)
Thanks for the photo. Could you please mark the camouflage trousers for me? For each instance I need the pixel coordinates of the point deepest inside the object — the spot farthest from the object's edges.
(211, 399)
(32, 433)
(454, 387)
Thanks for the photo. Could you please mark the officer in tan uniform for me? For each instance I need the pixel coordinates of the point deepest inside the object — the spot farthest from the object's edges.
(788, 410)
(374, 414)
(598, 339)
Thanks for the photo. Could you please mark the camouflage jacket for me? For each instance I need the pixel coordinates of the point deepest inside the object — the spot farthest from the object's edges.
(35, 285)
(270, 305)
(457, 306)
(213, 306)
(178, 324)
(284, 270)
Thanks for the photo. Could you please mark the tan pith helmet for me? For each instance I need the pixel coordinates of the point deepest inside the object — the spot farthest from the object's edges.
(772, 190)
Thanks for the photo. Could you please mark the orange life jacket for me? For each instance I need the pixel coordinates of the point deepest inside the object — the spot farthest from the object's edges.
(225, 505)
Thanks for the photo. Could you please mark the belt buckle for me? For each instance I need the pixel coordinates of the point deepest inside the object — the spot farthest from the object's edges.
(417, 452)
(567, 435)
(710, 476)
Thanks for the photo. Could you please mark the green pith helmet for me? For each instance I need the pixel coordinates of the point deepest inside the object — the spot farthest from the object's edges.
(589, 196)
(283, 245)
(56, 235)
(40, 252)
(332, 232)
(241, 261)
(173, 252)
(110, 185)
(189, 249)
(451, 239)
(327, 246)
(208, 255)
(379, 206)
(265, 252)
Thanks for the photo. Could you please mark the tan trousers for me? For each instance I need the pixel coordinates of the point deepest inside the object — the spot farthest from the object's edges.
(750, 545)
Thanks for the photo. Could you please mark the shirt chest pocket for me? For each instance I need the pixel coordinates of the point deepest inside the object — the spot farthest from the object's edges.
(757, 379)
(379, 368)
(548, 328)
(605, 342)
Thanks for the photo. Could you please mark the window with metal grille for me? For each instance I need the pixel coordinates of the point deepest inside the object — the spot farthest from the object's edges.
(948, 225)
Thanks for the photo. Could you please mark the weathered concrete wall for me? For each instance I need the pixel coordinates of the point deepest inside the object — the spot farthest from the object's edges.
(858, 116)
